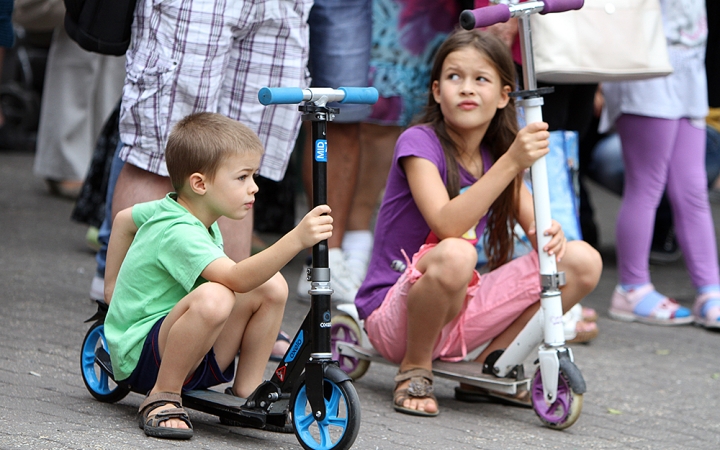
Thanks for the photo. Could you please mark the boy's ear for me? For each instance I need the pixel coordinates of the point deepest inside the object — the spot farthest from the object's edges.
(197, 183)
(504, 97)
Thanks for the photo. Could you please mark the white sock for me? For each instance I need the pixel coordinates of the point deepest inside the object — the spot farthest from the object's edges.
(357, 245)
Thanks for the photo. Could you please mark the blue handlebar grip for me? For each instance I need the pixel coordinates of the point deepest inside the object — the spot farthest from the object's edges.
(364, 95)
(280, 95)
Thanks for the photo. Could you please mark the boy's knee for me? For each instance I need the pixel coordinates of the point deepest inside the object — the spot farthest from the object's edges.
(214, 302)
(275, 290)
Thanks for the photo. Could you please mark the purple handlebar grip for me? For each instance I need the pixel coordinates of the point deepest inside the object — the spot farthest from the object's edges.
(484, 17)
(553, 6)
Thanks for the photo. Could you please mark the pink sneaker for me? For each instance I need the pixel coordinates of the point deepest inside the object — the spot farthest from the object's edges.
(666, 312)
(711, 319)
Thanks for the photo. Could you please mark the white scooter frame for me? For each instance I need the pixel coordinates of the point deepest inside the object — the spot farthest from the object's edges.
(557, 387)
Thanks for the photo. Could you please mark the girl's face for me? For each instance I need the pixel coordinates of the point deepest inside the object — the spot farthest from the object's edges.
(469, 90)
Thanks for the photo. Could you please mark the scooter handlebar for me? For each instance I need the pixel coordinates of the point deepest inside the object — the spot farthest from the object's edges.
(346, 95)
(554, 6)
(276, 96)
(484, 17)
(490, 15)
(365, 96)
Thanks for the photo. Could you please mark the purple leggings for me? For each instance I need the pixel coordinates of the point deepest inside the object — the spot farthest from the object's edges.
(660, 153)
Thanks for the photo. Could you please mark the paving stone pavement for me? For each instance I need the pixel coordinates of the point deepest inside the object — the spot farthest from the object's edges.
(648, 387)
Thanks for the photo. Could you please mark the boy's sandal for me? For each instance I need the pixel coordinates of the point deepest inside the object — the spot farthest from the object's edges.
(710, 304)
(150, 423)
(474, 394)
(421, 386)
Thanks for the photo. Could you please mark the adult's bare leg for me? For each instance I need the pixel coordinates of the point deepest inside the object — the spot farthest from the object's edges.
(342, 169)
(135, 185)
(377, 145)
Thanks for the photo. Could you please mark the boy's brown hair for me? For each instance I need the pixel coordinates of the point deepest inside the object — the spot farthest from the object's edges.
(200, 142)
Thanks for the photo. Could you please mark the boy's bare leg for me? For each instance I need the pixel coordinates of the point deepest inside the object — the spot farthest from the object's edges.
(447, 270)
(253, 326)
(135, 185)
(212, 316)
(187, 334)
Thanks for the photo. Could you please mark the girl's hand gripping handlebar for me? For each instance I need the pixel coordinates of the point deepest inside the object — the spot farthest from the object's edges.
(490, 15)
(275, 96)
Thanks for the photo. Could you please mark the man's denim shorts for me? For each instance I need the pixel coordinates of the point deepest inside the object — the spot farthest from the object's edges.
(340, 35)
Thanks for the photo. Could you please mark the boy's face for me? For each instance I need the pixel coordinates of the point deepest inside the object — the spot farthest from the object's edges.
(232, 192)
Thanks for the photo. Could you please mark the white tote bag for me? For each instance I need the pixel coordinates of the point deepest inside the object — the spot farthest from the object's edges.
(605, 40)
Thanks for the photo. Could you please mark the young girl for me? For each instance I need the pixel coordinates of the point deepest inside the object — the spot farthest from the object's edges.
(440, 307)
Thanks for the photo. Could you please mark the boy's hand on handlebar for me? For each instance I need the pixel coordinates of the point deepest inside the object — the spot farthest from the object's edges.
(315, 226)
(531, 143)
(558, 241)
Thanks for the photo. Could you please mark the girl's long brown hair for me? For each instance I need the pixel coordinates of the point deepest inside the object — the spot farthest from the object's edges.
(500, 135)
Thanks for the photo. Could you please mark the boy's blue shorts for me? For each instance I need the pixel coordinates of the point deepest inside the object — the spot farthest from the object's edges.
(142, 379)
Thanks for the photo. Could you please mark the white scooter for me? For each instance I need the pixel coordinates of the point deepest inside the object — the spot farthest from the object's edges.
(557, 387)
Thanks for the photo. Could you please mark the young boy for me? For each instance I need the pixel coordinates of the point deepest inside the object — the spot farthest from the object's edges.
(180, 310)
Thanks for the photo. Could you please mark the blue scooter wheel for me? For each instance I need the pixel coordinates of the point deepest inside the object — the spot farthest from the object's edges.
(341, 424)
(97, 381)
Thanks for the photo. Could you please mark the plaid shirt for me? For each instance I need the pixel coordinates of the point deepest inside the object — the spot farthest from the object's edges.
(213, 55)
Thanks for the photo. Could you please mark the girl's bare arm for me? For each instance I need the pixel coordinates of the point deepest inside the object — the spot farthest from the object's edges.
(452, 218)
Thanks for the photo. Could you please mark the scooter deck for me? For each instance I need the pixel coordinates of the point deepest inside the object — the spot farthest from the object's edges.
(464, 371)
(224, 406)
(206, 400)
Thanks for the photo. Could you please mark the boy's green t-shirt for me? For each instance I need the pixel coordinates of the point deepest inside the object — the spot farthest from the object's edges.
(163, 264)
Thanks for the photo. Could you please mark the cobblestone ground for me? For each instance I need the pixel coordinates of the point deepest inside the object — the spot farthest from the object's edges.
(648, 387)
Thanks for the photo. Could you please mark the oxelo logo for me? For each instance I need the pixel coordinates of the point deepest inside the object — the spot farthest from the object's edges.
(297, 344)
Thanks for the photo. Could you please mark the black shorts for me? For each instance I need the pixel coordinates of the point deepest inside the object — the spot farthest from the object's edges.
(142, 379)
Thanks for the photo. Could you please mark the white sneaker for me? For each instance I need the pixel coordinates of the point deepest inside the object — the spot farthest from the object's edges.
(357, 249)
(97, 289)
(343, 285)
